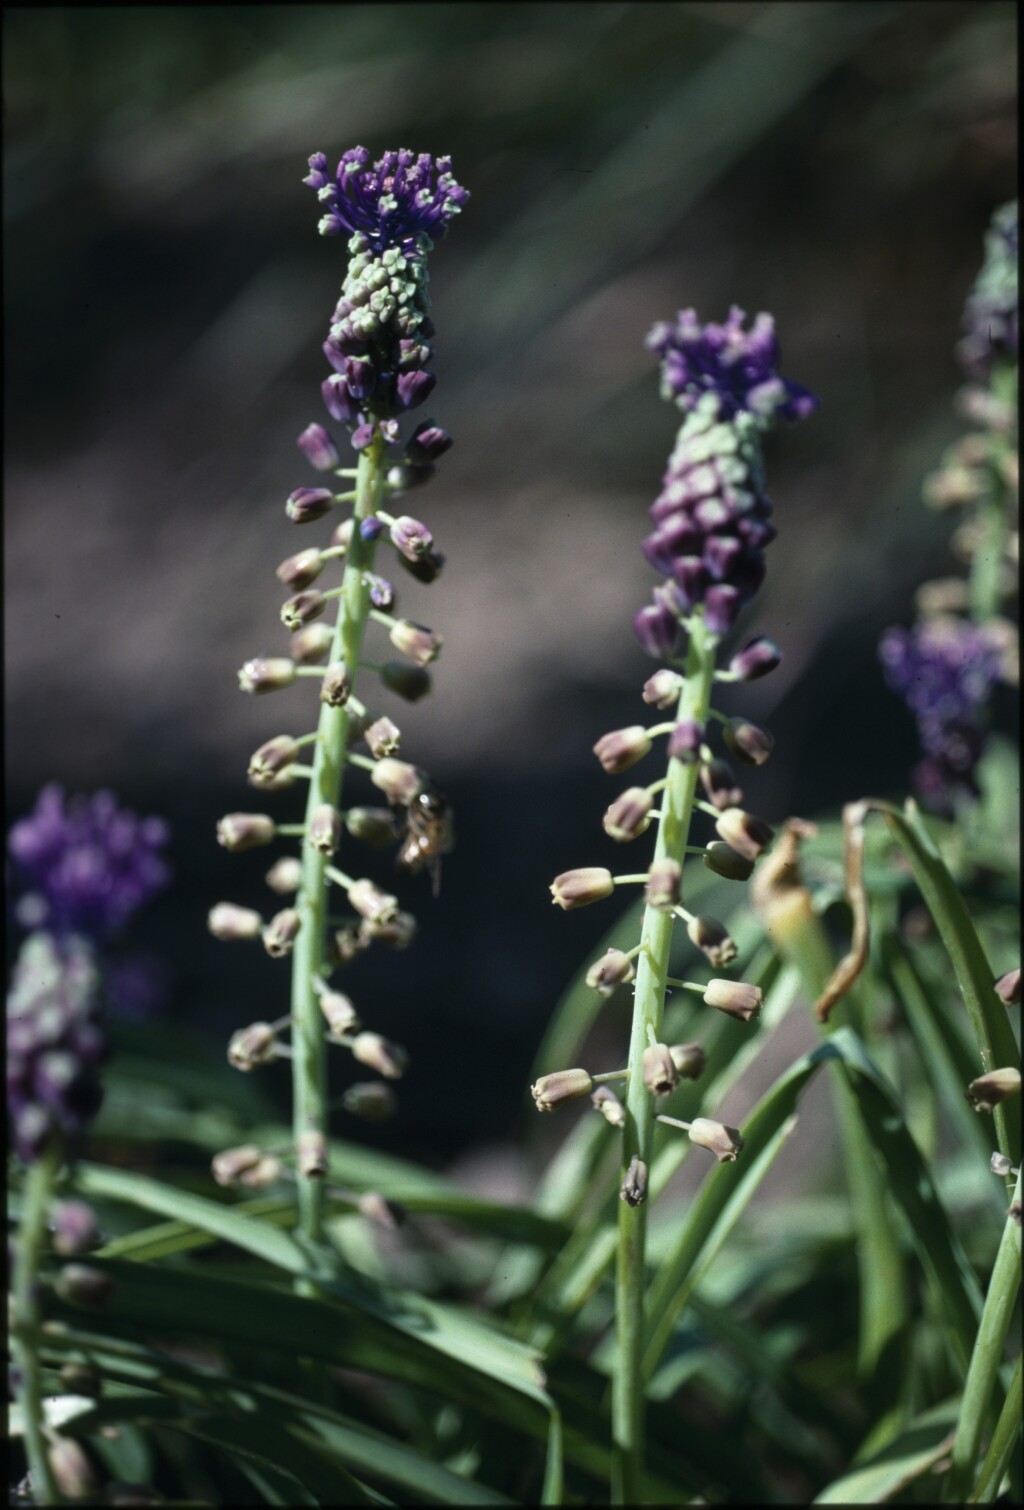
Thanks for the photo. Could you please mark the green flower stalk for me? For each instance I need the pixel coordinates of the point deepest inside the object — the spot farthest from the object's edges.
(378, 349)
(712, 523)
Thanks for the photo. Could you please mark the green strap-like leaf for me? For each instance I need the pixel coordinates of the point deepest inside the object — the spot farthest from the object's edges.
(913, 1453)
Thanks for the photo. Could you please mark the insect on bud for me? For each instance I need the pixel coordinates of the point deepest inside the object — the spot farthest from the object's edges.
(307, 504)
(302, 609)
(301, 570)
(735, 998)
(397, 933)
(611, 970)
(756, 659)
(724, 861)
(373, 825)
(710, 937)
(411, 537)
(311, 1154)
(747, 742)
(272, 758)
(280, 933)
(634, 1186)
(383, 738)
(266, 675)
(240, 831)
(336, 687)
(1008, 987)
(685, 740)
(339, 1012)
(564, 1085)
(747, 835)
(284, 875)
(325, 828)
(380, 1054)
(416, 641)
(228, 922)
(372, 903)
(608, 1104)
(664, 882)
(660, 1073)
(663, 688)
(689, 1060)
(622, 748)
(578, 888)
(987, 1091)
(400, 782)
(410, 682)
(312, 645)
(252, 1046)
(719, 782)
(629, 815)
(370, 1099)
(724, 1142)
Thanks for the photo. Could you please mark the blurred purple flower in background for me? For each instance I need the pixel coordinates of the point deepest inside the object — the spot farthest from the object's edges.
(990, 315)
(736, 365)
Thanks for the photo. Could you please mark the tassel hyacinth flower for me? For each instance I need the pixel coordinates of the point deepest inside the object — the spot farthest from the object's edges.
(712, 524)
(378, 348)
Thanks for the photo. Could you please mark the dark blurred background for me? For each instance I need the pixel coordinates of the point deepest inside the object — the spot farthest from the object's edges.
(166, 296)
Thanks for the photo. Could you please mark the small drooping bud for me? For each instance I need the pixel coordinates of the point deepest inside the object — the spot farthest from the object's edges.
(411, 537)
(608, 1104)
(372, 903)
(629, 815)
(272, 758)
(689, 1059)
(380, 1054)
(325, 828)
(307, 504)
(685, 740)
(370, 1099)
(400, 782)
(664, 884)
(750, 744)
(756, 659)
(280, 933)
(660, 1074)
(72, 1470)
(719, 782)
(657, 628)
(1008, 987)
(416, 641)
(266, 674)
(302, 609)
(383, 1213)
(252, 1046)
(342, 533)
(1000, 1165)
(301, 570)
(336, 687)
(747, 835)
(987, 1091)
(611, 970)
(82, 1285)
(735, 998)
(228, 922)
(634, 1186)
(710, 937)
(228, 1166)
(663, 688)
(578, 888)
(373, 825)
(312, 645)
(345, 945)
(284, 875)
(75, 1228)
(622, 748)
(427, 442)
(410, 682)
(724, 1142)
(550, 1091)
(311, 1154)
(397, 933)
(240, 831)
(339, 1012)
(319, 448)
(383, 738)
(724, 861)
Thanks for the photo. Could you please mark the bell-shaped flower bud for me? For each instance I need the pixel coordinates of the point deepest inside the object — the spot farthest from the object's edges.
(266, 674)
(72, 1471)
(634, 1186)
(81, 1379)
(663, 689)
(735, 998)
(747, 835)
(342, 533)
(345, 945)
(400, 782)
(301, 570)
(307, 504)
(284, 875)
(75, 1228)
(82, 1285)
(608, 1104)
(427, 442)
(610, 971)
(338, 402)
(311, 1154)
(252, 1046)
(311, 645)
(372, 903)
(416, 641)
(339, 1012)
(383, 738)
(725, 861)
(629, 815)
(622, 748)
(724, 1142)
(689, 1059)
(413, 387)
(406, 476)
(987, 1091)
(550, 1091)
(302, 609)
(685, 740)
(1008, 987)
(318, 448)
(228, 922)
(722, 604)
(749, 743)
(228, 1166)
(757, 658)
(1000, 1165)
(411, 537)
(280, 933)
(711, 938)
(410, 682)
(578, 888)
(664, 884)
(325, 828)
(660, 1074)
(396, 933)
(657, 629)
(239, 831)
(336, 687)
(272, 758)
(371, 1100)
(373, 825)
(719, 782)
(380, 1054)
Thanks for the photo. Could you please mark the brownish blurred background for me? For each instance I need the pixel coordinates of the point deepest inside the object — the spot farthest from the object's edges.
(166, 296)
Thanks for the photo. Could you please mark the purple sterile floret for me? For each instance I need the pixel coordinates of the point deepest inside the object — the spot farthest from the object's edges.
(87, 864)
(392, 202)
(737, 365)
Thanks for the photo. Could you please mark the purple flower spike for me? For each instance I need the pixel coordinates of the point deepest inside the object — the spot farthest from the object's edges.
(735, 365)
(392, 202)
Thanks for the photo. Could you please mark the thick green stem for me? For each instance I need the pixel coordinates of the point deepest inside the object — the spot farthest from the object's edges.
(35, 1214)
(309, 1051)
(648, 1007)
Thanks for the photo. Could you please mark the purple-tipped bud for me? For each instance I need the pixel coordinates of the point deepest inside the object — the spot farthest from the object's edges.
(722, 604)
(749, 743)
(336, 687)
(383, 738)
(756, 659)
(413, 387)
(371, 528)
(411, 537)
(380, 1054)
(663, 688)
(325, 827)
(272, 758)
(280, 933)
(426, 568)
(629, 815)
(657, 628)
(339, 1012)
(307, 504)
(724, 861)
(664, 885)
(300, 570)
(400, 782)
(689, 1059)
(266, 674)
(319, 448)
(302, 609)
(228, 922)
(238, 831)
(311, 1154)
(312, 645)
(373, 825)
(608, 1104)
(610, 971)
(75, 1228)
(550, 1091)
(372, 903)
(396, 933)
(660, 1074)
(82, 1285)
(987, 1091)
(338, 402)
(371, 1100)
(685, 740)
(578, 888)
(252, 1046)
(718, 779)
(362, 435)
(724, 1142)
(711, 938)
(410, 682)
(735, 998)
(284, 875)
(360, 376)
(622, 748)
(420, 644)
(748, 836)
(427, 442)
(634, 1186)
(1008, 987)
